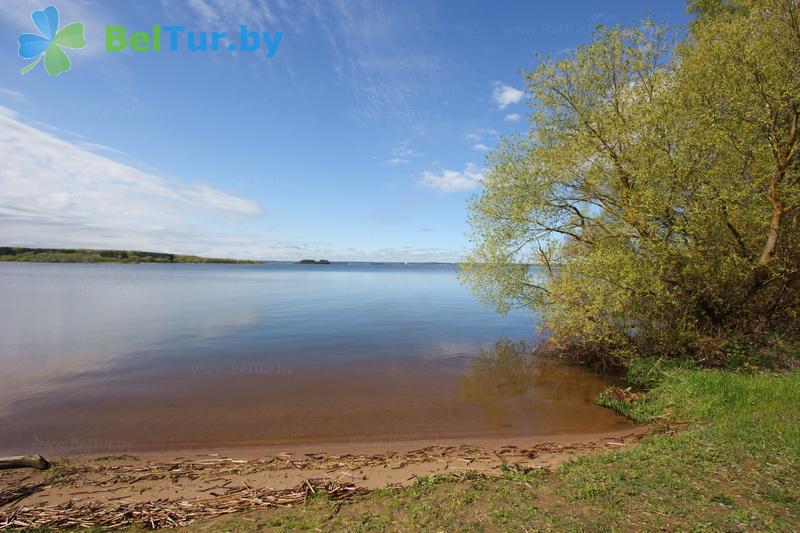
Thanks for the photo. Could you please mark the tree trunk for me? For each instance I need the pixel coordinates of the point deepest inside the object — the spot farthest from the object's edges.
(773, 235)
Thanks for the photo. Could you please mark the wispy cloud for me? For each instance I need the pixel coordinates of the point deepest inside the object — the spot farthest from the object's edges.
(401, 153)
(65, 193)
(363, 38)
(477, 135)
(231, 13)
(480, 147)
(55, 190)
(512, 117)
(12, 94)
(505, 95)
(401, 253)
(606, 18)
(452, 180)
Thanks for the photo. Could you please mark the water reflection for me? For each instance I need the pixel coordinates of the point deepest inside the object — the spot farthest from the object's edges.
(515, 387)
(499, 373)
(182, 355)
(499, 377)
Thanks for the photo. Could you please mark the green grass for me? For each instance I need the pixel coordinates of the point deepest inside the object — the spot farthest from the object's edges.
(734, 465)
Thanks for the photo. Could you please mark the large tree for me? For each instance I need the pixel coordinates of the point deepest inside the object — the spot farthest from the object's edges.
(658, 186)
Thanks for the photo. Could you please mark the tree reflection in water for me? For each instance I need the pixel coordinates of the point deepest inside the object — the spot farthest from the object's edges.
(521, 391)
(499, 378)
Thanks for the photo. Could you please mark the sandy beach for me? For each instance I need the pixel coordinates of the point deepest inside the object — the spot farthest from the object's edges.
(176, 487)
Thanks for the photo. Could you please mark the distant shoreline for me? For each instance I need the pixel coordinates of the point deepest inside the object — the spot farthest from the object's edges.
(21, 254)
(88, 255)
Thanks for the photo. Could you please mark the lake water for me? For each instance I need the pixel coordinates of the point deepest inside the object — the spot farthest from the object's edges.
(126, 357)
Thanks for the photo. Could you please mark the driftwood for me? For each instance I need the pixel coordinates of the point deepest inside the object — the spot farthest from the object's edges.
(24, 461)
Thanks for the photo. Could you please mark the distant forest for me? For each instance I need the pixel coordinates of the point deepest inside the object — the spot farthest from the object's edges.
(84, 255)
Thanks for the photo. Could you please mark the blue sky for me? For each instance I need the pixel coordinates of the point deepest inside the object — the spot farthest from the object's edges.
(361, 139)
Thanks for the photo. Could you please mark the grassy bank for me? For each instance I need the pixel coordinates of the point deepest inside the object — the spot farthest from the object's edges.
(726, 458)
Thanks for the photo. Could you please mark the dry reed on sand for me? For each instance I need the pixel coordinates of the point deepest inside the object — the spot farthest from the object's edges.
(170, 513)
(14, 494)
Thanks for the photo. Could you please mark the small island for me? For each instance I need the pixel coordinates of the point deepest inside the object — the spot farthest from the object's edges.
(313, 262)
(85, 255)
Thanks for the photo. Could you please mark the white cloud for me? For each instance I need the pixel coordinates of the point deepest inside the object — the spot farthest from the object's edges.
(452, 180)
(513, 117)
(60, 193)
(12, 94)
(480, 147)
(401, 153)
(478, 134)
(505, 95)
(401, 149)
(56, 191)
(608, 18)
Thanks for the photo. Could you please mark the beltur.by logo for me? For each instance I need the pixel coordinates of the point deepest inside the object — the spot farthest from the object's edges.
(176, 38)
(49, 45)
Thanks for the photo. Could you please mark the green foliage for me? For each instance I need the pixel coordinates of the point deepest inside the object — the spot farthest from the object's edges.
(658, 188)
(739, 355)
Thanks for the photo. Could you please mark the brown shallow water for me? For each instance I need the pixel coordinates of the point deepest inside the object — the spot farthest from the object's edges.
(497, 396)
(105, 358)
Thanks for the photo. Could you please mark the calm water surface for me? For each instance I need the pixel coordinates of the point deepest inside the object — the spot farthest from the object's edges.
(103, 357)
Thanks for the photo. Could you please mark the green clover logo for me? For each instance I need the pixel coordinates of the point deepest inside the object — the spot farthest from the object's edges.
(48, 45)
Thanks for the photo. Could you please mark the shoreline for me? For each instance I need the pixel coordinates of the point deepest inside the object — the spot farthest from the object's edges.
(703, 459)
(353, 446)
(179, 486)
